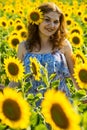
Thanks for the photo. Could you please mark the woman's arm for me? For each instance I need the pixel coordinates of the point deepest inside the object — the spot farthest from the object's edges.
(21, 51)
(67, 50)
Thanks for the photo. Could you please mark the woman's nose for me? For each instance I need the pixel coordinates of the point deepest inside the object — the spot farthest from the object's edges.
(52, 25)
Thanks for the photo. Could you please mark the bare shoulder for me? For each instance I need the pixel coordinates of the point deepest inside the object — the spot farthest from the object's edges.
(67, 44)
(21, 50)
(66, 47)
(22, 45)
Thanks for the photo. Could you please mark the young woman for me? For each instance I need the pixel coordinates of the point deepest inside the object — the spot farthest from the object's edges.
(47, 42)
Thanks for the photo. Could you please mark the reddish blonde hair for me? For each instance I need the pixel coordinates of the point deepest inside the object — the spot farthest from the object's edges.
(57, 38)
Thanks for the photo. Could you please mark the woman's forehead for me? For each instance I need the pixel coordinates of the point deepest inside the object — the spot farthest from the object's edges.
(52, 15)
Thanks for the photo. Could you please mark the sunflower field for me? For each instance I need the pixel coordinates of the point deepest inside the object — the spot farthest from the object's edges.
(18, 109)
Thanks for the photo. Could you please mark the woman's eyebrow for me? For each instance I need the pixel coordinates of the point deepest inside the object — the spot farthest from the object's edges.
(49, 17)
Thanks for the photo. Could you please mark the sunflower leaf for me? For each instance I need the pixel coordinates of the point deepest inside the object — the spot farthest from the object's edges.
(52, 76)
(41, 127)
(55, 84)
(41, 87)
(2, 127)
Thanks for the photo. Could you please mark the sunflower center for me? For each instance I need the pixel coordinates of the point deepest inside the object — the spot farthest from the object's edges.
(11, 22)
(83, 75)
(15, 41)
(24, 34)
(11, 110)
(59, 116)
(4, 24)
(79, 13)
(34, 16)
(13, 69)
(76, 40)
(34, 69)
(66, 14)
(19, 27)
(68, 22)
(79, 56)
(85, 19)
(75, 30)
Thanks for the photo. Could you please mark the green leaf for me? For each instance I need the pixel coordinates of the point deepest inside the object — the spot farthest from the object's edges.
(41, 127)
(52, 76)
(27, 76)
(30, 96)
(34, 119)
(38, 96)
(41, 87)
(85, 120)
(27, 86)
(55, 84)
(2, 127)
(79, 94)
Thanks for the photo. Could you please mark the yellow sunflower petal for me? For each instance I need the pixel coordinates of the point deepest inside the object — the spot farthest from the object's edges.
(58, 111)
(80, 74)
(14, 110)
(35, 16)
(14, 68)
(35, 68)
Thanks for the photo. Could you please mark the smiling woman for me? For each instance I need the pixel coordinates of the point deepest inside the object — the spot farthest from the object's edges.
(46, 42)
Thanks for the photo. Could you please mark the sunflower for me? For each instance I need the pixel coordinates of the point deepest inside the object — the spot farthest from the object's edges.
(76, 29)
(35, 16)
(14, 40)
(84, 18)
(58, 111)
(10, 22)
(18, 20)
(79, 12)
(14, 68)
(35, 68)
(14, 109)
(23, 33)
(20, 12)
(76, 40)
(69, 21)
(19, 26)
(3, 22)
(79, 56)
(80, 74)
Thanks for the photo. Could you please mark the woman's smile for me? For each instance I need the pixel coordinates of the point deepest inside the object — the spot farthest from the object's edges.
(50, 24)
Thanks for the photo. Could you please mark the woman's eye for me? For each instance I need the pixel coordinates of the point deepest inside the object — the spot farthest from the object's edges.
(56, 22)
(47, 20)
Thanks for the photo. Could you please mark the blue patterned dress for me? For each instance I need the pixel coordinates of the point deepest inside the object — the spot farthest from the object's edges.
(56, 63)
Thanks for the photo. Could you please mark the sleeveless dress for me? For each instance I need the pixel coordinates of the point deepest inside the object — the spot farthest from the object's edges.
(56, 63)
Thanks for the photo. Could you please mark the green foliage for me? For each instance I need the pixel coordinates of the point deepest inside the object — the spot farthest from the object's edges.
(78, 98)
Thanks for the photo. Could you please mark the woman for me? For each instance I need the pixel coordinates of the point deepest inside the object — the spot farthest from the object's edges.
(47, 42)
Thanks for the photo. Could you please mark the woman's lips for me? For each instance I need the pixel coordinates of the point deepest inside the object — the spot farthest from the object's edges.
(49, 30)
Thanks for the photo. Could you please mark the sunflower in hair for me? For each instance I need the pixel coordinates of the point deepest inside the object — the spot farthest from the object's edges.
(35, 16)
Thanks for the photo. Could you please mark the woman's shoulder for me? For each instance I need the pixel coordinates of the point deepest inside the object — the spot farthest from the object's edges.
(67, 43)
(21, 50)
(22, 44)
(66, 46)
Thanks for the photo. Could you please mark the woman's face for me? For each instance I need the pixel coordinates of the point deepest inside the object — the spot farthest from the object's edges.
(50, 24)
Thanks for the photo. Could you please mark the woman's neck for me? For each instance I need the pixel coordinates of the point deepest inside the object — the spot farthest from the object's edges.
(44, 39)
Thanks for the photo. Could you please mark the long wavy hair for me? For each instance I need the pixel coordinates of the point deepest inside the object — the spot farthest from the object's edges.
(33, 31)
